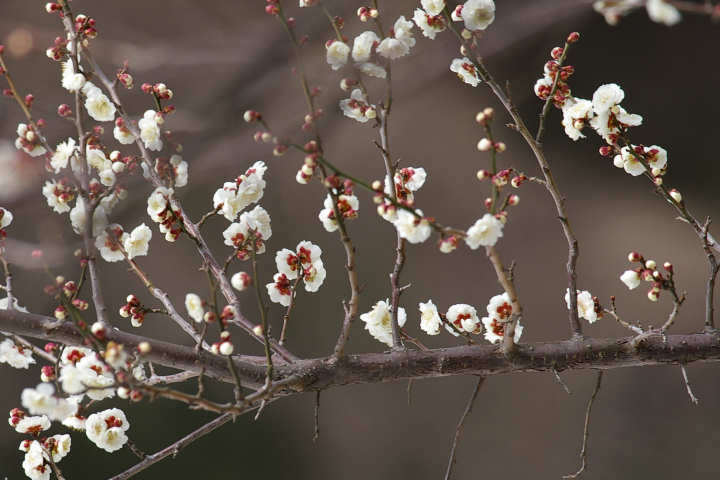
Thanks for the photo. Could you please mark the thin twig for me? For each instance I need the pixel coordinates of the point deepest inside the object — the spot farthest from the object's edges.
(317, 416)
(479, 385)
(562, 384)
(409, 391)
(687, 384)
(583, 453)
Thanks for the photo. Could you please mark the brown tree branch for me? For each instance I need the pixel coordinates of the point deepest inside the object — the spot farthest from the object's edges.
(323, 373)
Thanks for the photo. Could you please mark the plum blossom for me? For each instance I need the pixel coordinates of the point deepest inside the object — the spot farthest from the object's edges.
(107, 429)
(660, 11)
(466, 71)
(98, 105)
(631, 278)
(355, 107)
(280, 290)
(478, 14)
(347, 206)
(180, 170)
(586, 304)
(58, 196)
(138, 243)
(430, 321)
(77, 218)
(575, 114)
(150, 130)
(31, 424)
(499, 310)
(14, 355)
(121, 133)
(433, 7)
(29, 140)
(371, 69)
(238, 234)
(109, 250)
(235, 196)
(304, 262)
(337, 54)
(486, 232)
(158, 204)
(43, 401)
(398, 43)
(606, 97)
(64, 152)
(379, 324)
(412, 228)
(464, 318)
(82, 372)
(71, 81)
(35, 464)
(430, 24)
(363, 46)
(194, 306)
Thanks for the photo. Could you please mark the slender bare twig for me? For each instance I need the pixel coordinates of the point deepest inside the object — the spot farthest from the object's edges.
(460, 426)
(317, 416)
(687, 384)
(583, 453)
(560, 381)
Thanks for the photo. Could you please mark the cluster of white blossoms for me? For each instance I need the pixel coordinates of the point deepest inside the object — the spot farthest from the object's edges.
(647, 271)
(659, 11)
(42, 400)
(149, 127)
(13, 354)
(499, 311)
(107, 429)
(29, 140)
(347, 205)
(82, 373)
(237, 234)
(379, 323)
(235, 196)
(37, 455)
(303, 263)
(588, 306)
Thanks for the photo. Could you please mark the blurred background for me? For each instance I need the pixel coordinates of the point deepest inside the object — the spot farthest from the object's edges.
(221, 58)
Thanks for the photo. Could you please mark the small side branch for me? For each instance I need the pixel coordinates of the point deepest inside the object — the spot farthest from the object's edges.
(460, 426)
(562, 384)
(583, 453)
(687, 384)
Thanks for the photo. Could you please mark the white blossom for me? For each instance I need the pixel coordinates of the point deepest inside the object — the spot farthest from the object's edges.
(194, 306)
(34, 463)
(6, 218)
(62, 155)
(660, 11)
(280, 290)
(12, 354)
(87, 376)
(363, 46)
(606, 97)
(631, 278)
(247, 189)
(433, 7)
(486, 232)
(107, 429)
(337, 54)
(71, 81)
(41, 400)
(464, 317)
(411, 228)
(399, 44)
(180, 168)
(355, 107)
(150, 131)
(98, 105)
(585, 305)
(574, 116)
(371, 69)
(379, 324)
(77, 218)
(428, 24)
(138, 243)
(466, 71)
(430, 320)
(33, 424)
(478, 14)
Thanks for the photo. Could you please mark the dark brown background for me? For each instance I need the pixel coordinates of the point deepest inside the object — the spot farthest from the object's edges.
(221, 58)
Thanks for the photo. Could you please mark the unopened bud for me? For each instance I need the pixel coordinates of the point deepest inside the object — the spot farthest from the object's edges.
(484, 145)
(676, 195)
(650, 264)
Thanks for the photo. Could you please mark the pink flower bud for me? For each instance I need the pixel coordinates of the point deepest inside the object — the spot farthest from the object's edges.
(573, 37)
